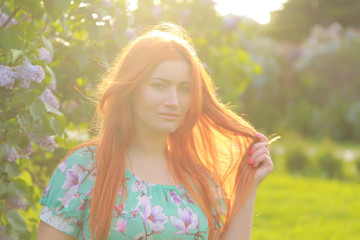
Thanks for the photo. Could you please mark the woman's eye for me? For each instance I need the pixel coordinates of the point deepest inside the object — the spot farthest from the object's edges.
(184, 89)
(159, 86)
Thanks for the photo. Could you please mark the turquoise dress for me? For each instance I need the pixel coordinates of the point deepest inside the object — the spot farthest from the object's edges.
(151, 211)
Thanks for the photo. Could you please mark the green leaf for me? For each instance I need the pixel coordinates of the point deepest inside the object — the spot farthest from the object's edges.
(24, 119)
(24, 142)
(28, 96)
(12, 169)
(30, 33)
(52, 110)
(63, 5)
(16, 221)
(11, 38)
(48, 45)
(3, 188)
(51, 73)
(13, 137)
(33, 7)
(16, 54)
(51, 9)
(58, 124)
(42, 128)
(2, 151)
(37, 109)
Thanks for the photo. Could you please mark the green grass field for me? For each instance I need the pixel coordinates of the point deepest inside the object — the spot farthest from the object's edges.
(294, 208)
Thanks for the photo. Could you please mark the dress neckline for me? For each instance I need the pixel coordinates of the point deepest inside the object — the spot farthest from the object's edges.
(132, 175)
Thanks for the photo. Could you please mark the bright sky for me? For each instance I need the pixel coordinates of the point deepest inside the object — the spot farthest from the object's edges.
(259, 10)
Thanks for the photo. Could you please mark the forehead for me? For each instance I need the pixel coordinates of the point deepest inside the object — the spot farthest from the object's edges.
(172, 70)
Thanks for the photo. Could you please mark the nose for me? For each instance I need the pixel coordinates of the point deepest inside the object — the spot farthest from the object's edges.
(172, 97)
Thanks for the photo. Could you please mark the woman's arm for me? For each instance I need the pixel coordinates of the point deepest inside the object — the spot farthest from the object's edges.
(46, 232)
(240, 226)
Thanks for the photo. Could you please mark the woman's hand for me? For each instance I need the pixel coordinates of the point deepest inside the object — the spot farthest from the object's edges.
(260, 159)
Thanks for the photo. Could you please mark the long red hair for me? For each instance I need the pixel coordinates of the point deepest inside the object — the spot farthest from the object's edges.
(207, 154)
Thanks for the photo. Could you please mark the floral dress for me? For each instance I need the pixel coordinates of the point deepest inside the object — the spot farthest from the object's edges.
(151, 211)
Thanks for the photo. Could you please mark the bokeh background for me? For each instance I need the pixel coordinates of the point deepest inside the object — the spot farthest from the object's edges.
(296, 75)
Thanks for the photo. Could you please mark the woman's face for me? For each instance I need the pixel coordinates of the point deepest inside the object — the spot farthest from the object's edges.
(160, 102)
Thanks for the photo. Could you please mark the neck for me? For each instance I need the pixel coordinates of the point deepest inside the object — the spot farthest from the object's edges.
(147, 147)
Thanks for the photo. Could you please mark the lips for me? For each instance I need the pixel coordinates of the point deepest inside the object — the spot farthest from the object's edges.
(168, 115)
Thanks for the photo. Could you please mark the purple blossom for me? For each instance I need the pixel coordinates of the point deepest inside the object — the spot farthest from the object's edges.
(25, 153)
(15, 202)
(48, 97)
(72, 183)
(175, 198)
(44, 55)
(153, 216)
(7, 77)
(73, 177)
(188, 220)
(11, 153)
(49, 143)
(29, 73)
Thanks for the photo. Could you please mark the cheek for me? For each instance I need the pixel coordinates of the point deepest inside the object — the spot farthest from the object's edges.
(186, 102)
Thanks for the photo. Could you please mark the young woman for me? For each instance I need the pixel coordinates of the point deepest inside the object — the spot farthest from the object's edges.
(170, 160)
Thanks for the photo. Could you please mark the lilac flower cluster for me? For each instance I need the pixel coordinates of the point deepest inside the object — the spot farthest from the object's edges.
(29, 73)
(26, 72)
(7, 77)
(16, 202)
(44, 55)
(49, 143)
(26, 153)
(11, 154)
(48, 97)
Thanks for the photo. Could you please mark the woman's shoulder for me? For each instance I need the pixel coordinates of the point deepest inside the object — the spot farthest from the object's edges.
(83, 157)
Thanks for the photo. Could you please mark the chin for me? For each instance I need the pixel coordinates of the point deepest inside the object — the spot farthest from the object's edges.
(168, 130)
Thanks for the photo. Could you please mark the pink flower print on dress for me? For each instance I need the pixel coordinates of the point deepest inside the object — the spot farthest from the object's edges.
(119, 208)
(153, 217)
(138, 186)
(48, 187)
(188, 220)
(121, 225)
(72, 183)
(175, 198)
(73, 177)
(62, 166)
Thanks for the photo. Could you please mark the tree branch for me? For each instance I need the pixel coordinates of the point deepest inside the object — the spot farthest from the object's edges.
(10, 17)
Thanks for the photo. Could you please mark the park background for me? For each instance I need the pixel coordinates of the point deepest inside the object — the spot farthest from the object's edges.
(297, 77)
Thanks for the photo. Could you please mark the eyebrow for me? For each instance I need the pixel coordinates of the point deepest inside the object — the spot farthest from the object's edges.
(167, 80)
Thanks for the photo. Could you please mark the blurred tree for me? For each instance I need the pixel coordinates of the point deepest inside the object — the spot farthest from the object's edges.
(294, 22)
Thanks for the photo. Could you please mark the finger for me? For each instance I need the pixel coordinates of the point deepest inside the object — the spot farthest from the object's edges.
(263, 159)
(259, 152)
(259, 145)
(262, 137)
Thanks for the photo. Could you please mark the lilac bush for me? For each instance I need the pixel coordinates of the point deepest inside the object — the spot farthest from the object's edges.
(7, 77)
